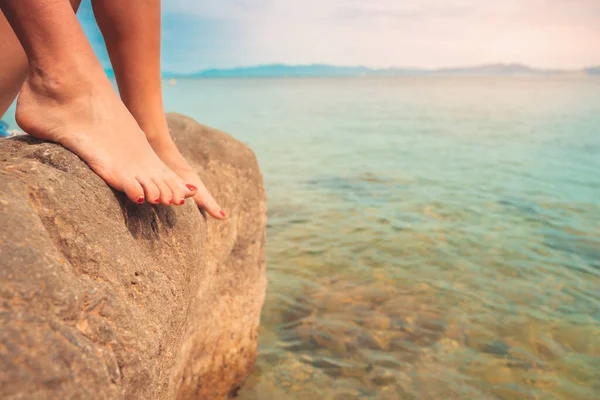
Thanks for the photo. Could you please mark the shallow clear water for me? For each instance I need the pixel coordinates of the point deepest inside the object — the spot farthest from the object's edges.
(428, 238)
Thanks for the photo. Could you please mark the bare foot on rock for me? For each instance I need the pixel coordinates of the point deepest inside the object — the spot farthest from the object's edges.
(165, 148)
(84, 114)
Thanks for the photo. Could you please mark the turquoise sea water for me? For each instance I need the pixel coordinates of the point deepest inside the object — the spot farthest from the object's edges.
(428, 238)
(431, 238)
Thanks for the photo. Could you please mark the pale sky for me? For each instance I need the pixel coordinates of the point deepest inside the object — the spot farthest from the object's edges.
(201, 34)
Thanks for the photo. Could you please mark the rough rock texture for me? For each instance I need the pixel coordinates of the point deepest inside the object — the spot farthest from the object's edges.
(101, 298)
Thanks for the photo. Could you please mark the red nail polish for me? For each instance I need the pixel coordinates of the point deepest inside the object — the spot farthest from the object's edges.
(140, 199)
(182, 202)
(222, 213)
(157, 200)
(170, 201)
(191, 187)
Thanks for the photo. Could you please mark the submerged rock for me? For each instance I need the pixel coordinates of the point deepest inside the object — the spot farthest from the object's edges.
(101, 298)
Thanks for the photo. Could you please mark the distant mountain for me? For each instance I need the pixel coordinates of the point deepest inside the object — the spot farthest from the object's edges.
(314, 70)
(593, 70)
(498, 69)
(323, 70)
(280, 70)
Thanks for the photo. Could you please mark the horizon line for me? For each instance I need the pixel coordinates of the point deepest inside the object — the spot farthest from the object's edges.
(465, 67)
(407, 67)
(383, 68)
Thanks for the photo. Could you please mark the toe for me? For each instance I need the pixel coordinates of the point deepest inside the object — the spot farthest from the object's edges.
(134, 191)
(190, 190)
(150, 189)
(166, 196)
(205, 200)
(177, 188)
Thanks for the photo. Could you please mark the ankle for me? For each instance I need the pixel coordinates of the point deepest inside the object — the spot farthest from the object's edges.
(154, 126)
(49, 97)
(58, 83)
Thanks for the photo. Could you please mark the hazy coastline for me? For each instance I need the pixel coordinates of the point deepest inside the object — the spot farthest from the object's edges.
(329, 71)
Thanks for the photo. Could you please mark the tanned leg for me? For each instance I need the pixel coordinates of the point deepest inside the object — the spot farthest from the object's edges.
(13, 63)
(131, 30)
(68, 99)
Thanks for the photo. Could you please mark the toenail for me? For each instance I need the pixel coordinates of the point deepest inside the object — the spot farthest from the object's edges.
(156, 200)
(191, 187)
(222, 213)
(170, 201)
(140, 199)
(182, 202)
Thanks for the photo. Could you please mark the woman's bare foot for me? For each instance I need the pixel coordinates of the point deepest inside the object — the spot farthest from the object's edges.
(131, 31)
(85, 114)
(68, 99)
(165, 148)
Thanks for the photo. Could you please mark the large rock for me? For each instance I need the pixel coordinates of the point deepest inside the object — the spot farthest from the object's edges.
(101, 298)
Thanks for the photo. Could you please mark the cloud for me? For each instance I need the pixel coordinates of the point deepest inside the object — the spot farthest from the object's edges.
(426, 33)
(367, 10)
(191, 43)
